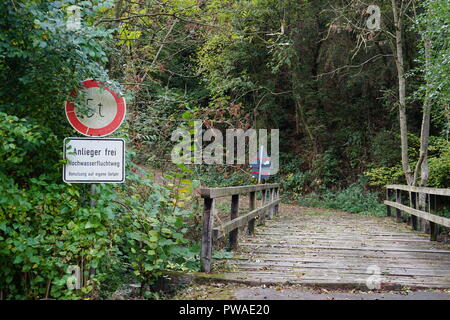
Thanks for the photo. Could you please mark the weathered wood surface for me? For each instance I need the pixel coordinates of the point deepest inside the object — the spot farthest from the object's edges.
(435, 191)
(232, 225)
(331, 249)
(229, 191)
(206, 249)
(234, 233)
(209, 235)
(418, 213)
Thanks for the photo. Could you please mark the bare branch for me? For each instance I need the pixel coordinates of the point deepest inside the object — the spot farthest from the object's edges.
(354, 66)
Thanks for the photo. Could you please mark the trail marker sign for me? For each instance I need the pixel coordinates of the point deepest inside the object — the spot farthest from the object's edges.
(261, 166)
(106, 114)
(91, 160)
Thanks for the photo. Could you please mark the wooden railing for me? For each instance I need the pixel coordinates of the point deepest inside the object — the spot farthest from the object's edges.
(270, 197)
(430, 195)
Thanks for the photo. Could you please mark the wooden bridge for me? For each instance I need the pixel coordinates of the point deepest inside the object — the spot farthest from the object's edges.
(276, 244)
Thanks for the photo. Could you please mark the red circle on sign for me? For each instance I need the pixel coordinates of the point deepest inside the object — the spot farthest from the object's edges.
(96, 132)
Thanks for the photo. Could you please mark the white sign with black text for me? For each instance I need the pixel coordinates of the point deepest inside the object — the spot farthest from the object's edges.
(91, 160)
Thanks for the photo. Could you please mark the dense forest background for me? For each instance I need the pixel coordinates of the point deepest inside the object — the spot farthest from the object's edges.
(357, 109)
(308, 68)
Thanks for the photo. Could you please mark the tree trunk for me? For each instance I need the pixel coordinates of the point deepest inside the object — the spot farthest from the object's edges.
(399, 59)
(422, 163)
(299, 75)
(118, 9)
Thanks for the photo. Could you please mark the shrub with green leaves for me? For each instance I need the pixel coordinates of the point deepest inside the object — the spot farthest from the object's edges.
(155, 224)
(46, 226)
(382, 176)
(438, 163)
(352, 199)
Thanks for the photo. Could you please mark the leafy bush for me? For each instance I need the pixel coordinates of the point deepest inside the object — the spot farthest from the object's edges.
(134, 231)
(326, 169)
(382, 176)
(296, 182)
(438, 165)
(154, 230)
(44, 230)
(221, 176)
(386, 149)
(439, 168)
(352, 199)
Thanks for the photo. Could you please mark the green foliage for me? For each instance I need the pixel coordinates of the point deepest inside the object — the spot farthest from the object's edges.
(46, 59)
(326, 169)
(44, 231)
(271, 58)
(382, 176)
(296, 182)
(386, 149)
(222, 254)
(155, 236)
(22, 142)
(352, 199)
(47, 226)
(432, 25)
(221, 176)
(439, 167)
(438, 163)
(241, 64)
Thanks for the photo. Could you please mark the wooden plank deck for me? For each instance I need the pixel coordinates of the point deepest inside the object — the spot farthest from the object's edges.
(333, 249)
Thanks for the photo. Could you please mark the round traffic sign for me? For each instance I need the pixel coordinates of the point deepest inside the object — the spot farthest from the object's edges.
(106, 110)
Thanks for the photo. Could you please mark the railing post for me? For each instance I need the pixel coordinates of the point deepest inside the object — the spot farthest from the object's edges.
(434, 227)
(252, 206)
(422, 205)
(414, 205)
(262, 216)
(206, 251)
(274, 193)
(422, 208)
(233, 237)
(388, 208)
(424, 223)
(398, 199)
(209, 233)
(277, 196)
(271, 196)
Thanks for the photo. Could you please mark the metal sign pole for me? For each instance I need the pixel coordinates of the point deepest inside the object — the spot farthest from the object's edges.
(93, 203)
(260, 163)
(93, 187)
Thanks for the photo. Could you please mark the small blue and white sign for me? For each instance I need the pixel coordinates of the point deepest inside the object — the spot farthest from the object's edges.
(261, 165)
